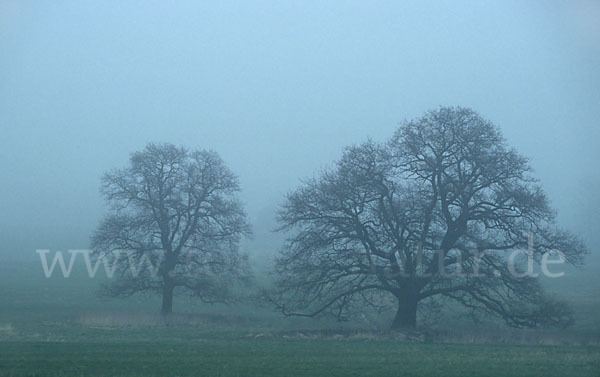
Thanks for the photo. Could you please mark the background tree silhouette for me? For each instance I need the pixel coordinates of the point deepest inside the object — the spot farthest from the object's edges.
(176, 210)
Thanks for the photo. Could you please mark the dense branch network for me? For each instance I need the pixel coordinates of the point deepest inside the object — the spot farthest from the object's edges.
(433, 212)
(176, 210)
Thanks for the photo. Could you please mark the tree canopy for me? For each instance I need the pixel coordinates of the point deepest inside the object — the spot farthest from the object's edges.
(434, 212)
(177, 211)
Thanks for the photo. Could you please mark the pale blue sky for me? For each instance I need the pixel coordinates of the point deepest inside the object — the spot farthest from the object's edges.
(278, 89)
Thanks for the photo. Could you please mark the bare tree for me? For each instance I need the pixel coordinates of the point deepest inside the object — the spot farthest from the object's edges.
(175, 210)
(435, 212)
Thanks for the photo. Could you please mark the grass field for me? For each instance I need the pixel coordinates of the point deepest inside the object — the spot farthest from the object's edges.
(267, 357)
(58, 327)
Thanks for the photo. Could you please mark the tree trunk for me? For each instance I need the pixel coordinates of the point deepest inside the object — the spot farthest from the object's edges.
(167, 299)
(406, 316)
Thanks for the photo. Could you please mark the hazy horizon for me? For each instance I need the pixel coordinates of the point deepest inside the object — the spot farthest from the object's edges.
(278, 90)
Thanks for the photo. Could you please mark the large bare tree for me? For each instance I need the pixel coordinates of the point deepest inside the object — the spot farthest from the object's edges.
(435, 212)
(176, 211)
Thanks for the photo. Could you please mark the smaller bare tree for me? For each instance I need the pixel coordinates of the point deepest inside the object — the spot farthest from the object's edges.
(176, 223)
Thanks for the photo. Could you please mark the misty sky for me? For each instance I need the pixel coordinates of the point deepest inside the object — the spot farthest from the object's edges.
(278, 89)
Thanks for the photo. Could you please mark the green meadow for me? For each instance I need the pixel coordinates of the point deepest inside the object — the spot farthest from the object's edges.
(60, 327)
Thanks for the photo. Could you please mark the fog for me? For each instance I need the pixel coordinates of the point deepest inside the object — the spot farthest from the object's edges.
(278, 89)
(434, 254)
